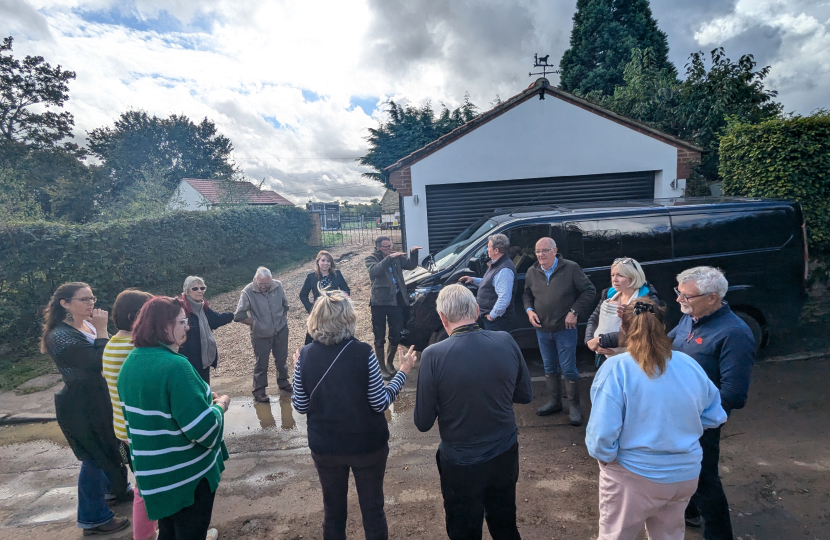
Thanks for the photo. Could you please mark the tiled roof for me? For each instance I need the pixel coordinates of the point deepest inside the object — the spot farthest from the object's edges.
(212, 190)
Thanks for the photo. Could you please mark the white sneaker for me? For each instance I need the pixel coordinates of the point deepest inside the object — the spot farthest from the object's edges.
(212, 534)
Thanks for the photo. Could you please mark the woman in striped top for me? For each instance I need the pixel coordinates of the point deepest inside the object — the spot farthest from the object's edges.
(338, 384)
(174, 423)
(124, 312)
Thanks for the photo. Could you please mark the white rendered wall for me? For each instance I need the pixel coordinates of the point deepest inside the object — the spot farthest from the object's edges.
(538, 139)
(187, 198)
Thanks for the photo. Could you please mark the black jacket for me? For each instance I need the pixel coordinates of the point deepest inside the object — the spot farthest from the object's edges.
(611, 340)
(383, 288)
(310, 286)
(192, 347)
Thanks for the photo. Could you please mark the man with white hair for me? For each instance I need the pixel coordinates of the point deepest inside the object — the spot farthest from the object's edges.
(725, 348)
(263, 306)
(469, 382)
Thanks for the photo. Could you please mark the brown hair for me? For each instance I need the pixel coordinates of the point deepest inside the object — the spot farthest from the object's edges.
(320, 255)
(154, 319)
(126, 307)
(55, 313)
(644, 335)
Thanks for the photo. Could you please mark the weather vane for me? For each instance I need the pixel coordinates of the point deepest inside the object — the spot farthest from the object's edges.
(546, 68)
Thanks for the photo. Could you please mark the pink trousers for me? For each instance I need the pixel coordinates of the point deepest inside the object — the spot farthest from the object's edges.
(143, 528)
(628, 501)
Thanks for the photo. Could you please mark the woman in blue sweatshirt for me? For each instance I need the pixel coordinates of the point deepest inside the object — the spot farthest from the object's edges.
(650, 406)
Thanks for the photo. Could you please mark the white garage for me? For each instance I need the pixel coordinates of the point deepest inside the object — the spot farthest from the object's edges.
(542, 147)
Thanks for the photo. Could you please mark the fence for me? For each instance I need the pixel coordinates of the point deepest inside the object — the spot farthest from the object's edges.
(359, 229)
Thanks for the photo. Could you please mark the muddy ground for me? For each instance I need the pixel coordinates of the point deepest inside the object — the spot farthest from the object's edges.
(775, 462)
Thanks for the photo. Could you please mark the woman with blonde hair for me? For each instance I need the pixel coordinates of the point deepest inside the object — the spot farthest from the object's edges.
(338, 384)
(326, 277)
(628, 281)
(650, 406)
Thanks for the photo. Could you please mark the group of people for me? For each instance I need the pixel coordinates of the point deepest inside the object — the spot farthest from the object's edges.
(658, 398)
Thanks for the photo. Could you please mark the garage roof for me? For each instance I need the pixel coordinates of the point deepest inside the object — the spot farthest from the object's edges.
(541, 86)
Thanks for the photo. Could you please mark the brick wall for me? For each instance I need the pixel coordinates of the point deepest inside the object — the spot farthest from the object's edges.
(401, 180)
(686, 161)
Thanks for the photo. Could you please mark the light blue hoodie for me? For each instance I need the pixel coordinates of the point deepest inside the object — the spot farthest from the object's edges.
(652, 426)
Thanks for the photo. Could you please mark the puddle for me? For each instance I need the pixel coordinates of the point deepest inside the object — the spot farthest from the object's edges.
(245, 417)
(23, 433)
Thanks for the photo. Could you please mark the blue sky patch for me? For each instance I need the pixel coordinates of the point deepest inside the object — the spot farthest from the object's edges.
(368, 104)
(311, 97)
(128, 16)
(273, 121)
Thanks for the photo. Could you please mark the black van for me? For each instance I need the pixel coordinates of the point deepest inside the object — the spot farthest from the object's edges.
(760, 244)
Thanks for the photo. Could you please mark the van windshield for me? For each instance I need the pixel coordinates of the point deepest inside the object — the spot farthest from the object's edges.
(450, 254)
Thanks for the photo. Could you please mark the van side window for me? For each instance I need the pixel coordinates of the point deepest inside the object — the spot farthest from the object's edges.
(523, 245)
(723, 232)
(597, 243)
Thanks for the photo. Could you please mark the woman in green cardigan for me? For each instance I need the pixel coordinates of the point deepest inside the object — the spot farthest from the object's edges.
(174, 422)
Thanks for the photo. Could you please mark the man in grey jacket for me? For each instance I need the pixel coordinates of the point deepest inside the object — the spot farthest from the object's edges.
(263, 306)
(389, 298)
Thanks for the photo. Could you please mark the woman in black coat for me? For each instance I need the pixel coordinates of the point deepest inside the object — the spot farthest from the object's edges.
(200, 346)
(325, 276)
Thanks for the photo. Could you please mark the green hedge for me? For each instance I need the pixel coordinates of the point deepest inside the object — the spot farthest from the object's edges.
(787, 158)
(37, 257)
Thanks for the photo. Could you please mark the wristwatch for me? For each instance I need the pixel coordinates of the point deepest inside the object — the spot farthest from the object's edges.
(574, 312)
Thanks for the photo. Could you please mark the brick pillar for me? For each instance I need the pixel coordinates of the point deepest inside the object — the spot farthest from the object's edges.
(315, 239)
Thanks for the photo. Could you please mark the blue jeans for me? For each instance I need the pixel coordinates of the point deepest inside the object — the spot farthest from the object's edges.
(501, 324)
(559, 352)
(93, 484)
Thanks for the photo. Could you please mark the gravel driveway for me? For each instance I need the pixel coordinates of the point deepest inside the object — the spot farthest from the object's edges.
(236, 357)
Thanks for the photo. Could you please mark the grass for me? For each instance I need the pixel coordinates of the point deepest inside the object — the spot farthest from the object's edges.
(26, 363)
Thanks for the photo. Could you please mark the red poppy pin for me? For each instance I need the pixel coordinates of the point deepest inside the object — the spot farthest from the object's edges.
(699, 341)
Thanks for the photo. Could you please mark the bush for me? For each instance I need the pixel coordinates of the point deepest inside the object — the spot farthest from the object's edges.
(786, 158)
(35, 258)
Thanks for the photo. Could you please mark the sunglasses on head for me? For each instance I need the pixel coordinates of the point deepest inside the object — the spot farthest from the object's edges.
(202, 288)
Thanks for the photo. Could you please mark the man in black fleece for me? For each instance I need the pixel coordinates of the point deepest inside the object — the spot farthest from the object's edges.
(469, 382)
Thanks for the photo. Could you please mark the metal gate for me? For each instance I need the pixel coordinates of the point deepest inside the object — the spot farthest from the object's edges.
(453, 207)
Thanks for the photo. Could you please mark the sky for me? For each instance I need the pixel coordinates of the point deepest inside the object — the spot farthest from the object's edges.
(296, 85)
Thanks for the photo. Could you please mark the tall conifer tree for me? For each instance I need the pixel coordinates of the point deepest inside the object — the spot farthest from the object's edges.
(603, 35)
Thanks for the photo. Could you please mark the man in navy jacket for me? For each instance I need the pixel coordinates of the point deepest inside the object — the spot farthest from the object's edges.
(725, 348)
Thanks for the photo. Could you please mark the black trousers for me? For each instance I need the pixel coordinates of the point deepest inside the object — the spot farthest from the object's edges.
(369, 470)
(709, 501)
(394, 315)
(192, 522)
(473, 493)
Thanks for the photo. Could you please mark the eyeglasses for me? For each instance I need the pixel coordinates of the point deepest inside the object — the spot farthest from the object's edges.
(385, 247)
(624, 260)
(686, 298)
(87, 299)
(194, 289)
(543, 251)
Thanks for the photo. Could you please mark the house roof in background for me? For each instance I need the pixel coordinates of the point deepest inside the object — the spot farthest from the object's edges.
(212, 191)
(390, 201)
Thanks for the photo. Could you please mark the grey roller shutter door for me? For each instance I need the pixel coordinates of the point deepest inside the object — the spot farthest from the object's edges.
(453, 207)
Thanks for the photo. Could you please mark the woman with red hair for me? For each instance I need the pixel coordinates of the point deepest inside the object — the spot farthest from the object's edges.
(175, 424)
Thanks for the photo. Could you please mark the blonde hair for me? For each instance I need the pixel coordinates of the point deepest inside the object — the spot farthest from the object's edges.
(631, 269)
(332, 318)
(320, 255)
(456, 302)
(644, 336)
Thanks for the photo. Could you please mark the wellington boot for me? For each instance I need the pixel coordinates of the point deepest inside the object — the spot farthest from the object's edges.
(390, 358)
(555, 392)
(574, 412)
(380, 356)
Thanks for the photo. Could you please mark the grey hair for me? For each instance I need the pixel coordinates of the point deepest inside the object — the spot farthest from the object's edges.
(500, 242)
(332, 319)
(456, 302)
(381, 239)
(707, 278)
(190, 280)
(551, 240)
(262, 271)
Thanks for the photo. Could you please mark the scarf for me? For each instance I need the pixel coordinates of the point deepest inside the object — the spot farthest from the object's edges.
(206, 339)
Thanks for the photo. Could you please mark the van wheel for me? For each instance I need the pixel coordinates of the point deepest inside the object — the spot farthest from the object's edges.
(438, 335)
(754, 326)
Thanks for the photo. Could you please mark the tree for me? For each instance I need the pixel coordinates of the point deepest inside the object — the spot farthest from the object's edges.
(174, 146)
(16, 202)
(408, 129)
(26, 88)
(603, 35)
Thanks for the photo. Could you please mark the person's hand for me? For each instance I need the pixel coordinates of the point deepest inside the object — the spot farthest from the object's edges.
(296, 357)
(534, 319)
(416, 248)
(620, 310)
(570, 321)
(465, 279)
(222, 401)
(99, 321)
(593, 344)
(606, 352)
(488, 317)
(397, 254)
(408, 358)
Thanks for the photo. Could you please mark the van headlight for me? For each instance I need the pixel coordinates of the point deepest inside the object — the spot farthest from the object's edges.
(417, 296)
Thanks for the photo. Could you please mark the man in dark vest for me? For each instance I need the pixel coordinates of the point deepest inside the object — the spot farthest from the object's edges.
(557, 293)
(389, 298)
(495, 289)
